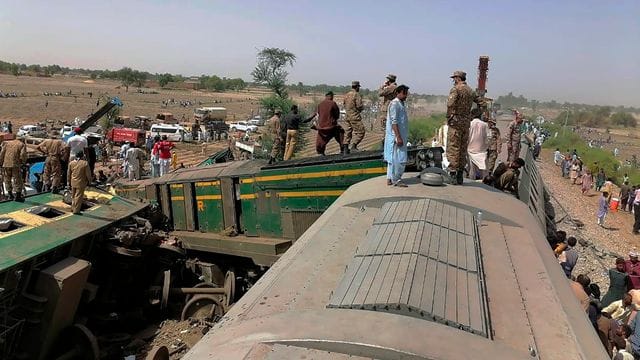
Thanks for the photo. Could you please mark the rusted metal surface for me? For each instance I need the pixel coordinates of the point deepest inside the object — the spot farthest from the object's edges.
(263, 251)
(420, 259)
(530, 305)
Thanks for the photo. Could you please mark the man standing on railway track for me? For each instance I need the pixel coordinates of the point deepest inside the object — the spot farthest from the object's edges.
(353, 106)
(459, 103)
(396, 137)
(53, 148)
(79, 176)
(328, 114)
(387, 92)
(12, 157)
(513, 138)
(495, 145)
(275, 130)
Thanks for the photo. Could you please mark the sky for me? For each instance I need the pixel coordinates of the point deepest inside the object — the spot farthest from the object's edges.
(583, 51)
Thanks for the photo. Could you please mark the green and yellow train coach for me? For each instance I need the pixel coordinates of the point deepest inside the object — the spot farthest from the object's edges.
(251, 209)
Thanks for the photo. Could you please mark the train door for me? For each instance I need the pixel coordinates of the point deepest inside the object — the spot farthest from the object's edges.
(209, 206)
(165, 201)
(230, 202)
(190, 216)
(177, 206)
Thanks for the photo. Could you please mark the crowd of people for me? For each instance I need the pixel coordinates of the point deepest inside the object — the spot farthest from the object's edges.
(613, 315)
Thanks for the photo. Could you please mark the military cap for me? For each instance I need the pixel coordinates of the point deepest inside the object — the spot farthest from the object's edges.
(355, 83)
(391, 77)
(459, 73)
(329, 93)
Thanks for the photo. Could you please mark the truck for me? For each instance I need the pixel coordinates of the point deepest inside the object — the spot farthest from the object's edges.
(122, 135)
(210, 113)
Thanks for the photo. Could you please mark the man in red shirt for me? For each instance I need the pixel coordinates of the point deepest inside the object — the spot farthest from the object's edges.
(163, 150)
(328, 114)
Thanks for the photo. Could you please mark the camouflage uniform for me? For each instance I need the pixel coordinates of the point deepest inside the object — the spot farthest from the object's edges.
(513, 141)
(13, 155)
(494, 146)
(387, 93)
(353, 106)
(461, 98)
(54, 149)
(274, 127)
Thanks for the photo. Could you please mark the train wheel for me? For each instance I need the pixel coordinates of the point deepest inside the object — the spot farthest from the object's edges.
(77, 342)
(229, 289)
(203, 307)
(158, 353)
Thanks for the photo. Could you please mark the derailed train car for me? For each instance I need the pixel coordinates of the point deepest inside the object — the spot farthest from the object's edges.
(415, 273)
(254, 210)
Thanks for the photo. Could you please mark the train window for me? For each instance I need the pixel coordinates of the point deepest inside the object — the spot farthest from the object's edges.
(8, 224)
(45, 211)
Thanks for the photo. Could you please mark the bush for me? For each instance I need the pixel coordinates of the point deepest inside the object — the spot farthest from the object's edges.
(422, 130)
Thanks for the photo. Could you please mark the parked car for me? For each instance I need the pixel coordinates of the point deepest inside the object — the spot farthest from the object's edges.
(256, 120)
(243, 126)
(32, 130)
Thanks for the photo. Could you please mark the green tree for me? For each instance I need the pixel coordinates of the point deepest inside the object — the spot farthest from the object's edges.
(623, 119)
(164, 79)
(126, 77)
(15, 69)
(270, 70)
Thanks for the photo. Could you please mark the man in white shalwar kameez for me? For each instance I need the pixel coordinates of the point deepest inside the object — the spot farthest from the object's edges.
(396, 137)
(477, 148)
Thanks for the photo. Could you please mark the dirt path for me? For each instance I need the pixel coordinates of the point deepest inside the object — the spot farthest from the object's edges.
(615, 238)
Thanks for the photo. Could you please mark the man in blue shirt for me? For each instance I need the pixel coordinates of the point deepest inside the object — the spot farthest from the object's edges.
(395, 142)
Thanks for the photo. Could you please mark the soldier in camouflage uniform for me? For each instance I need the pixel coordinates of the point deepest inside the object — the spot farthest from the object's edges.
(513, 138)
(55, 150)
(12, 157)
(387, 92)
(353, 106)
(459, 103)
(276, 133)
(495, 145)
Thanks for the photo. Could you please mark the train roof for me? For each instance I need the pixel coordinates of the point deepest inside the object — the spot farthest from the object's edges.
(44, 222)
(390, 272)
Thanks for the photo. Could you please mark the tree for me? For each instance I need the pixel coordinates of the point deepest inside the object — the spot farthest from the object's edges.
(270, 70)
(126, 77)
(15, 69)
(623, 119)
(164, 79)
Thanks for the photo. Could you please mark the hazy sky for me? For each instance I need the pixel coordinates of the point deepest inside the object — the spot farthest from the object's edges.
(578, 51)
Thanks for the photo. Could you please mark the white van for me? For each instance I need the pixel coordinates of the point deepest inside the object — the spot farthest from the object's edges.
(173, 132)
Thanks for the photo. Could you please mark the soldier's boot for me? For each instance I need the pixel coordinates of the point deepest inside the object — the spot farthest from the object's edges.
(11, 197)
(354, 147)
(345, 149)
(19, 197)
(459, 177)
(271, 160)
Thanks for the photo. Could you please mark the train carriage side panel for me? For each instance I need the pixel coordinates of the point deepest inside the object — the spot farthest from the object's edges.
(209, 206)
(177, 206)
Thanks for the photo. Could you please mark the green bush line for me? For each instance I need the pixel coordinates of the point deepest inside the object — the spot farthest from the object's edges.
(593, 158)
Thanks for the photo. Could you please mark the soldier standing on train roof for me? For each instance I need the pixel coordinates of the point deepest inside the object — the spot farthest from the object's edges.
(353, 107)
(387, 92)
(79, 176)
(55, 150)
(513, 138)
(459, 103)
(274, 129)
(495, 145)
(12, 157)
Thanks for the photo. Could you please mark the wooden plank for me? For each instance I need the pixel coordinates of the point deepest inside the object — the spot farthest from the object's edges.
(401, 240)
(443, 247)
(384, 210)
(429, 288)
(431, 211)
(472, 255)
(469, 223)
(461, 255)
(414, 235)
